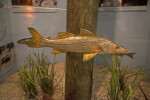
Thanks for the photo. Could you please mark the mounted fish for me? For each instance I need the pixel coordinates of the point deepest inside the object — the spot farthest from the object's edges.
(85, 42)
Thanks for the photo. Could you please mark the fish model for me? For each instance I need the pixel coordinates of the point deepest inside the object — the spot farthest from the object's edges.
(86, 42)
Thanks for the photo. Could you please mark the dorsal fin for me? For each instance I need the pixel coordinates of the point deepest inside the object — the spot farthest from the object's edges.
(35, 34)
(64, 34)
(84, 31)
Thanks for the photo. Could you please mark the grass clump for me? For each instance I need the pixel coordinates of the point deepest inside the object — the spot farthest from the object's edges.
(123, 82)
(27, 83)
(38, 65)
(45, 79)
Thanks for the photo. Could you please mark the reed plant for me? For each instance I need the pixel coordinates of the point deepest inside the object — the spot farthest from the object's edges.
(27, 83)
(47, 80)
(123, 82)
(38, 65)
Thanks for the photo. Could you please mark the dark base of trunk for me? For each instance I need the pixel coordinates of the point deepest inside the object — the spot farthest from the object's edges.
(47, 97)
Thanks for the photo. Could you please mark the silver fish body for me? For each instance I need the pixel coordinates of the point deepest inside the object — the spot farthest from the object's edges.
(77, 43)
(85, 42)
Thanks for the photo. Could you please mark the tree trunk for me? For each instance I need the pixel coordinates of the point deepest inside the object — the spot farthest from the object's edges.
(78, 84)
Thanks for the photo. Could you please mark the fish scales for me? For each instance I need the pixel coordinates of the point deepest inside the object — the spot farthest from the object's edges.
(76, 43)
(85, 42)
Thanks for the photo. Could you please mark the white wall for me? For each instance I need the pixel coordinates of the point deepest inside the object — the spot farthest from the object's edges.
(129, 29)
(5, 20)
(48, 24)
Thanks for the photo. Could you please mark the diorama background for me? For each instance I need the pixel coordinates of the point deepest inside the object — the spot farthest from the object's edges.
(5, 20)
(35, 3)
(129, 29)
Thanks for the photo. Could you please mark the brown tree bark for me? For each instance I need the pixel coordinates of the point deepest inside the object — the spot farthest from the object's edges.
(78, 84)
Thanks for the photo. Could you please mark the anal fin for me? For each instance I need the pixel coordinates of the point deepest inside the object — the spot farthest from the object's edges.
(57, 51)
(88, 56)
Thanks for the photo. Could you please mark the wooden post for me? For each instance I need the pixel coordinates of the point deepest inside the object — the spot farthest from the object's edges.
(78, 84)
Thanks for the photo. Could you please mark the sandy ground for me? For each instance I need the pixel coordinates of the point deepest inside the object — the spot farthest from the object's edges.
(9, 90)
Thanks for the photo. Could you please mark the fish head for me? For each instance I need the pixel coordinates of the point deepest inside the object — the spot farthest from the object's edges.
(109, 47)
(117, 48)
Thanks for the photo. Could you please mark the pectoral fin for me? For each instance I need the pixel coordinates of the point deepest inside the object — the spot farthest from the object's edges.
(57, 51)
(89, 56)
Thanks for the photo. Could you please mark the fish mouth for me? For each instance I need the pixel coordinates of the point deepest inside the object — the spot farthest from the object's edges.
(122, 51)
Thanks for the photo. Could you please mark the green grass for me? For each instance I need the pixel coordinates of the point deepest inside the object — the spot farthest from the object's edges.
(38, 70)
(46, 80)
(27, 83)
(119, 87)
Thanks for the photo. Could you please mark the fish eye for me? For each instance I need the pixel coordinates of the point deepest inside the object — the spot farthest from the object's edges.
(117, 47)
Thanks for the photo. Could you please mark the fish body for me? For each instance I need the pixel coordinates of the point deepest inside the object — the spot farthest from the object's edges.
(77, 43)
(85, 42)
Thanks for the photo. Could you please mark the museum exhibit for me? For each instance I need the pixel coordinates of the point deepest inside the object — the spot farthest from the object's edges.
(74, 49)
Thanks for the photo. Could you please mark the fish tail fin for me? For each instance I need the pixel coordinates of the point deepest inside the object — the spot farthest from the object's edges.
(37, 39)
(35, 34)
